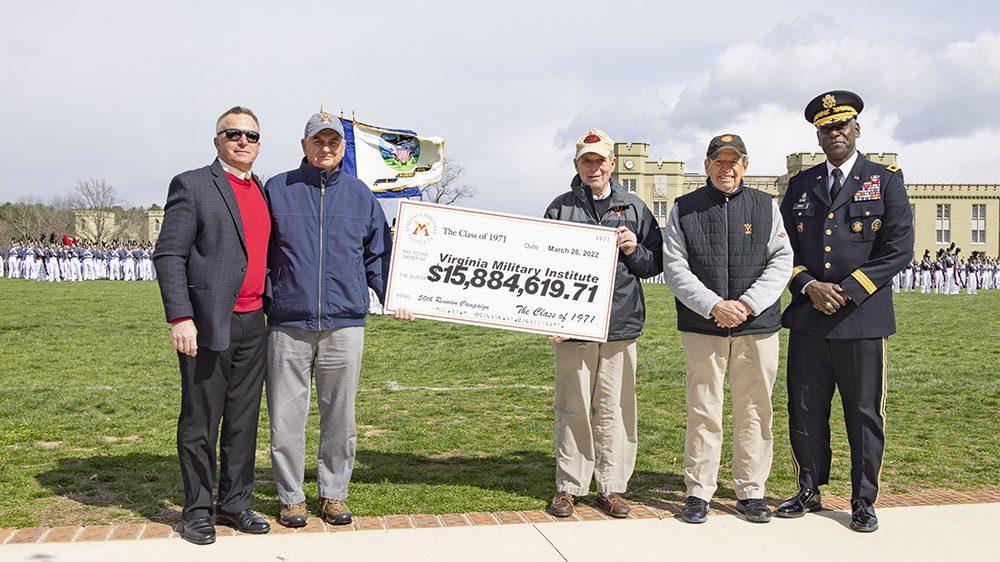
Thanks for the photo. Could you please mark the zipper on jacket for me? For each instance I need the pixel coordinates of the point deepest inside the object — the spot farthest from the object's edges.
(725, 208)
(319, 295)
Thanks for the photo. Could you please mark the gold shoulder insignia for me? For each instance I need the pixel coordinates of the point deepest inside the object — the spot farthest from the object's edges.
(892, 169)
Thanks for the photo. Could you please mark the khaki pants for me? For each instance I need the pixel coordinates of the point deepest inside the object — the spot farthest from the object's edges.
(595, 409)
(752, 361)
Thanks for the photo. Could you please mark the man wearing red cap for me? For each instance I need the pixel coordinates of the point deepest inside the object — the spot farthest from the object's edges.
(595, 402)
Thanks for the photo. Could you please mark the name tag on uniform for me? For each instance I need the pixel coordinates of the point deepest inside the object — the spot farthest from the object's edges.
(803, 203)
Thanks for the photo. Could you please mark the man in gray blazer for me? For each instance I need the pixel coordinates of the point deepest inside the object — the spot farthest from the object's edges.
(210, 261)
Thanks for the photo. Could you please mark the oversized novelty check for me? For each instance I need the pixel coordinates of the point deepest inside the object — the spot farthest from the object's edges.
(503, 271)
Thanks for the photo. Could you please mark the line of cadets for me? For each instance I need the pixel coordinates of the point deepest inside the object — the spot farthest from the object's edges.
(947, 274)
(117, 261)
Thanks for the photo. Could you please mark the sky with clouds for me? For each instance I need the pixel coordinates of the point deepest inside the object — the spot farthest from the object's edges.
(129, 91)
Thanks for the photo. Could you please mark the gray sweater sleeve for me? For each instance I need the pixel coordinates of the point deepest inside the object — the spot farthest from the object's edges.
(677, 272)
(768, 287)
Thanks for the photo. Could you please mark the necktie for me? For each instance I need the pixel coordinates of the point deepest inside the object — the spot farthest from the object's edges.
(838, 177)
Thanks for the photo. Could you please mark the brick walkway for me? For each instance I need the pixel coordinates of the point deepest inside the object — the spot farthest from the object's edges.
(149, 530)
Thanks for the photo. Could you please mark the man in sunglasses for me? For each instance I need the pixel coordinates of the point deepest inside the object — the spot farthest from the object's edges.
(211, 260)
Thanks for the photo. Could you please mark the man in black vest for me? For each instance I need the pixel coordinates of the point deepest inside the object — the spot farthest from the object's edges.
(852, 230)
(726, 257)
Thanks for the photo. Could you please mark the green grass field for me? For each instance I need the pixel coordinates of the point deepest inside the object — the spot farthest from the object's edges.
(451, 418)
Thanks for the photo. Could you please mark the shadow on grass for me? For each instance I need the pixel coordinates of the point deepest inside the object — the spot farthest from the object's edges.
(149, 486)
(523, 473)
(145, 484)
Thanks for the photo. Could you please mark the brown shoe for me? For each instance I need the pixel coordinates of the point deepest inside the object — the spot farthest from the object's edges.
(613, 504)
(294, 515)
(562, 505)
(335, 512)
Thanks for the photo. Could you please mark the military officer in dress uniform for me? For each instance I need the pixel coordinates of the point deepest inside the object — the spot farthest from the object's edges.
(851, 230)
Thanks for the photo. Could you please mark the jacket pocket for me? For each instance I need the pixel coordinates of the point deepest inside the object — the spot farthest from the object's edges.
(865, 219)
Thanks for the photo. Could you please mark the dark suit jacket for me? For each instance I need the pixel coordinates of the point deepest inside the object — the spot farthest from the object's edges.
(201, 254)
(859, 241)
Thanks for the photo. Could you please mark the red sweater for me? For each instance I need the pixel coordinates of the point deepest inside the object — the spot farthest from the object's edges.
(257, 231)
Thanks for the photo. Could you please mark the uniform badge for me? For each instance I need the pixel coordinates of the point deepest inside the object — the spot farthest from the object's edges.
(856, 226)
(876, 225)
(871, 190)
(747, 228)
(800, 227)
(829, 101)
(803, 203)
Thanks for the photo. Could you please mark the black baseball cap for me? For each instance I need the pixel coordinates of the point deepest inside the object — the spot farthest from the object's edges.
(727, 141)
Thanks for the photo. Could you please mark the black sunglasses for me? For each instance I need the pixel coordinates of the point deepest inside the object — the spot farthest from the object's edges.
(235, 134)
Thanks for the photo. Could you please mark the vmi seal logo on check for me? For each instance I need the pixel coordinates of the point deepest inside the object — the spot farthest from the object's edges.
(421, 228)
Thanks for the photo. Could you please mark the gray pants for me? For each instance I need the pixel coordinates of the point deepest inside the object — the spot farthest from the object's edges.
(335, 358)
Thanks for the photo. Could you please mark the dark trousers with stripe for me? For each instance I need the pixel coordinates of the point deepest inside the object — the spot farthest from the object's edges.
(222, 386)
(857, 369)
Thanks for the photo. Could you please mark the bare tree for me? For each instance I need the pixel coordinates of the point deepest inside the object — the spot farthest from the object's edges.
(57, 216)
(25, 217)
(449, 189)
(97, 199)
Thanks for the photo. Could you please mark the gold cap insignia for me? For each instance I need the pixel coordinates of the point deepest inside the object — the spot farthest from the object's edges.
(876, 225)
(856, 226)
(829, 101)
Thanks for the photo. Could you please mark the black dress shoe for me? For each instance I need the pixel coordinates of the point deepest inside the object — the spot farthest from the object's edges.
(695, 510)
(755, 510)
(863, 518)
(806, 501)
(199, 531)
(246, 522)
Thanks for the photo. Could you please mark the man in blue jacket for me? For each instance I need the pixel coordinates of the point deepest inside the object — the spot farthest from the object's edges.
(330, 244)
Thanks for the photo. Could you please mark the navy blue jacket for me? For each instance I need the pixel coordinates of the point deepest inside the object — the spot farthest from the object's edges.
(330, 243)
(860, 241)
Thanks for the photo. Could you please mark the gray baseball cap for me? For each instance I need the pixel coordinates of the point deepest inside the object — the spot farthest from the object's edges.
(322, 121)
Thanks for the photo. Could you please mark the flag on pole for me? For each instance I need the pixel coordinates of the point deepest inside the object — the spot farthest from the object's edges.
(392, 162)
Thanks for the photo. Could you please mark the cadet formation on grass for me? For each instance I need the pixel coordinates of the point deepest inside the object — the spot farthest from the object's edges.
(945, 273)
(81, 261)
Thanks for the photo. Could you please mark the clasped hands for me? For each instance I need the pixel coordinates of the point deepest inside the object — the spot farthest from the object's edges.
(827, 298)
(730, 314)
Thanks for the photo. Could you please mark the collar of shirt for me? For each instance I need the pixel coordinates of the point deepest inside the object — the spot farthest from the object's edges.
(605, 195)
(845, 168)
(245, 176)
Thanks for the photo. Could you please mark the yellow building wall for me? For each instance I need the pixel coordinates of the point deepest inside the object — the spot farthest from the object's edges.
(926, 197)
(658, 183)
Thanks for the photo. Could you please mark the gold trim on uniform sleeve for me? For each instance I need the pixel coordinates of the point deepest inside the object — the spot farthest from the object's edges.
(798, 269)
(865, 281)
